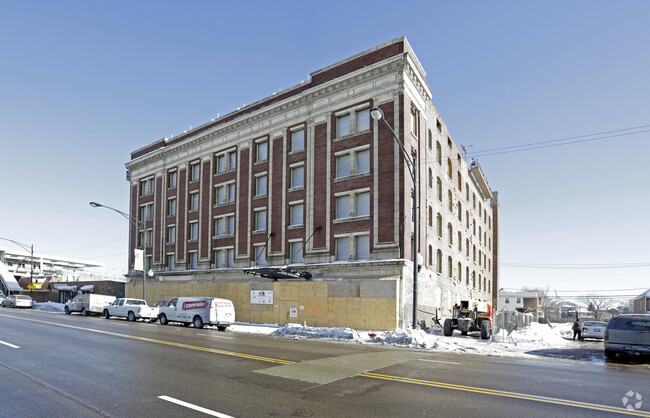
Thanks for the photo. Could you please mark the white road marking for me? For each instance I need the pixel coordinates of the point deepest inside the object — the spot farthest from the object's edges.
(194, 407)
(8, 345)
(437, 361)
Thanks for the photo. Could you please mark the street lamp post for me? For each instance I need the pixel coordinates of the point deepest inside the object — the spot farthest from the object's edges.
(29, 248)
(134, 221)
(411, 163)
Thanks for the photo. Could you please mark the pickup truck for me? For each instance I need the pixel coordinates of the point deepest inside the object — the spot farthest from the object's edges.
(131, 309)
(88, 303)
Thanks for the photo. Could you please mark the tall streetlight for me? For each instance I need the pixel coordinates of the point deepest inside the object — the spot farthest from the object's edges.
(29, 248)
(411, 163)
(142, 229)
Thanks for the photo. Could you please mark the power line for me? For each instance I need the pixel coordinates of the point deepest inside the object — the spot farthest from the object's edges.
(560, 142)
(575, 266)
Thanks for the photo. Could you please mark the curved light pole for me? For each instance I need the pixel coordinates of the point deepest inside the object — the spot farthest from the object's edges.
(142, 229)
(411, 163)
(29, 248)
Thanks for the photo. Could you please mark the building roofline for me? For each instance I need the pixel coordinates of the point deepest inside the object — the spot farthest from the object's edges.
(348, 65)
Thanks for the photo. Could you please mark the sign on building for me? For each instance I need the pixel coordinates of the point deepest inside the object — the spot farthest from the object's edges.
(262, 297)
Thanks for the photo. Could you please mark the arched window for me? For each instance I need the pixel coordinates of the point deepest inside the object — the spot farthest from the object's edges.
(460, 181)
(430, 178)
(430, 256)
(450, 234)
(430, 216)
(439, 262)
(479, 282)
(474, 279)
(438, 153)
(450, 200)
(439, 225)
(450, 168)
(460, 211)
(439, 189)
(450, 267)
(460, 242)
(467, 276)
(460, 272)
(430, 139)
(474, 253)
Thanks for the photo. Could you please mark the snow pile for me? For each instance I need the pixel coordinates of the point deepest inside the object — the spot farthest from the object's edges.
(541, 335)
(336, 333)
(48, 306)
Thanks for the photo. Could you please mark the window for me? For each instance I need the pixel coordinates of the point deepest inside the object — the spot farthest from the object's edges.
(297, 177)
(449, 142)
(460, 181)
(430, 178)
(353, 247)
(438, 125)
(171, 261)
(460, 211)
(430, 217)
(460, 242)
(224, 193)
(430, 140)
(450, 267)
(460, 272)
(194, 231)
(343, 125)
(260, 255)
(352, 121)
(439, 225)
(296, 214)
(262, 151)
(226, 161)
(449, 168)
(362, 247)
(194, 260)
(430, 256)
(295, 251)
(146, 212)
(438, 153)
(439, 189)
(171, 179)
(353, 162)
(171, 234)
(450, 235)
(260, 220)
(260, 185)
(224, 225)
(414, 122)
(194, 201)
(171, 207)
(195, 172)
(518, 300)
(363, 120)
(352, 205)
(343, 249)
(507, 300)
(146, 187)
(298, 140)
(224, 257)
(439, 262)
(450, 201)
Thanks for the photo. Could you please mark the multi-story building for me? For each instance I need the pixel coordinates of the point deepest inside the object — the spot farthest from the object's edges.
(307, 178)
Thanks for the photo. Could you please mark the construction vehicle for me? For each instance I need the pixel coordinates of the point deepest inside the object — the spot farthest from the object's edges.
(469, 316)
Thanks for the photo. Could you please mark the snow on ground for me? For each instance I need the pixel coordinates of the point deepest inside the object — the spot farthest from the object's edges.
(529, 342)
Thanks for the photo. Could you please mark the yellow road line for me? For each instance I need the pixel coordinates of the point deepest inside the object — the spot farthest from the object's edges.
(152, 340)
(516, 395)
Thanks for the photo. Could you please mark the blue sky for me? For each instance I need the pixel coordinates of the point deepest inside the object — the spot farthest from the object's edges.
(84, 83)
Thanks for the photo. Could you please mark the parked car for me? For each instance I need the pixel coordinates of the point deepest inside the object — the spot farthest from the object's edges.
(131, 309)
(161, 303)
(18, 301)
(199, 311)
(594, 329)
(627, 335)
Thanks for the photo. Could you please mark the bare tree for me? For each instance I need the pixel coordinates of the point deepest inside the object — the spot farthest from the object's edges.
(595, 304)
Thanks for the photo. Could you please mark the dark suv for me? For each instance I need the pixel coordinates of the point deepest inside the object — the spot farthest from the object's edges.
(627, 334)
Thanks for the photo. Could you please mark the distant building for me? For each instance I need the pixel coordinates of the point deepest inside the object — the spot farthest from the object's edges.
(642, 303)
(306, 178)
(523, 301)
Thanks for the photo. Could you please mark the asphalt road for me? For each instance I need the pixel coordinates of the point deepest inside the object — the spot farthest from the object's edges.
(58, 365)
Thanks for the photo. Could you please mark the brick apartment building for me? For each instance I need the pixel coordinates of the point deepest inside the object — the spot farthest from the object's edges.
(306, 178)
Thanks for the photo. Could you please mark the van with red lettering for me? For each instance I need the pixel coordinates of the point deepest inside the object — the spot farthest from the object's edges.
(198, 311)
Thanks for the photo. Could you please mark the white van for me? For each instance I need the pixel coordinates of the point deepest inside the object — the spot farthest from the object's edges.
(198, 311)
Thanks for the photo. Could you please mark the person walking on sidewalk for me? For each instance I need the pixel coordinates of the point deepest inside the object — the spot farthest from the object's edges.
(577, 330)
